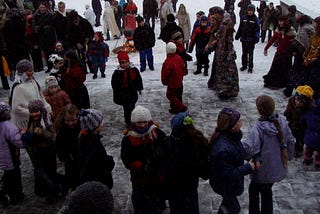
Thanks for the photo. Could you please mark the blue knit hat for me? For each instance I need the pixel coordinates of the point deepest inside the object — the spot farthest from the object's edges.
(90, 119)
(181, 119)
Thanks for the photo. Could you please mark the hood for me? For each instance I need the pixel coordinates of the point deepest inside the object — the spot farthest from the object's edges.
(268, 127)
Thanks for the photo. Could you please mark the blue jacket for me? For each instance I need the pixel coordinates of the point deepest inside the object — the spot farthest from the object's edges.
(312, 132)
(249, 29)
(227, 168)
(263, 140)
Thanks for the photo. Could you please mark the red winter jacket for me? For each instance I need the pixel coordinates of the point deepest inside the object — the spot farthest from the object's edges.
(173, 70)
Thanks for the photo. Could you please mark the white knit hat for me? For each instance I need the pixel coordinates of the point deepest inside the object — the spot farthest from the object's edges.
(90, 119)
(171, 48)
(51, 81)
(140, 114)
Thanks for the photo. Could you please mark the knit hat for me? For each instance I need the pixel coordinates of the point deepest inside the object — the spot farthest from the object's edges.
(304, 90)
(139, 19)
(122, 55)
(180, 120)
(54, 58)
(140, 114)
(90, 197)
(251, 7)
(51, 81)
(90, 119)
(265, 105)
(204, 18)
(171, 48)
(23, 66)
(36, 105)
(177, 35)
(233, 114)
(4, 112)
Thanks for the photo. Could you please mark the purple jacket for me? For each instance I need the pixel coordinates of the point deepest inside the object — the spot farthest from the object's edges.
(9, 133)
(263, 138)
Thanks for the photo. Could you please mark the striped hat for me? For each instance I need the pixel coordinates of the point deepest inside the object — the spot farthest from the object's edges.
(90, 119)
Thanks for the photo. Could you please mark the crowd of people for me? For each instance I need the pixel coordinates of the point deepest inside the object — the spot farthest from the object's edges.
(59, 123)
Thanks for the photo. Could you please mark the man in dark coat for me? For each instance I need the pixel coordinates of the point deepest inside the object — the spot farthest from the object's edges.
(144, 41)
(248, 33)
(169, 29)
(59, 23)
(97, 9)
(150, 11)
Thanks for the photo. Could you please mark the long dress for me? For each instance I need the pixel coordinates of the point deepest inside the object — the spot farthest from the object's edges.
(109, 21)
(224, 75)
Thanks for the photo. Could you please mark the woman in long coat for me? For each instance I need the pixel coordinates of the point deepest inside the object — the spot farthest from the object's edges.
(224, 76)
(109, 22)
(184, 22)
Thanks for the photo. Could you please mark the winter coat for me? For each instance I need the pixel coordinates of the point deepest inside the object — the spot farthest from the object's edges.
(130, 8)
(283, 38)
(57, 101)
(96, 6)
(304, 33)
(150, 8)
(263, 141)
(94, 162)
(269, 18)
(200, 37)
(126, 83)
(60, 24)
(168, 30)
(184, 24)
(80, 34)
(249, 29)
(137, 151)
(227, 168)
(172, 71)
(22, 94)
(90, 16)
(109, 21)
(9, 137)
(98, 53)
(313, 50)
(312, 133)
(143, 37)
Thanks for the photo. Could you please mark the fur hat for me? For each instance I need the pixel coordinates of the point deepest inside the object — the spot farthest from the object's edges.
(4, 112)
(233, 114)
(90, 197)
(36, 105)
(23, 66)
(90, 119)
(122, 55)
(265, 105)
(171, 48)
(54, 58)
(139, 19)
(177, 35)
(180, 120)
(305, 90)
(140, 114)
(51, 81)
(251, 7)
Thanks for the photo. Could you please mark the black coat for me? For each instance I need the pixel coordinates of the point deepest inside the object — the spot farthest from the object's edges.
(60, 24)
(144, 37)
(150, 8)
(126, 84)
(94, 163)
(96, 6)
(168, 30)
(81, 33)
(249, 29)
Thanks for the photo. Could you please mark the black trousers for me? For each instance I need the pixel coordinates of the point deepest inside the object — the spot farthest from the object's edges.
(265, 191)
(247, 54)
(12, 183)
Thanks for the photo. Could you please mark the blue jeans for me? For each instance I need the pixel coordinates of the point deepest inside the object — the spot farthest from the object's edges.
(146, 55)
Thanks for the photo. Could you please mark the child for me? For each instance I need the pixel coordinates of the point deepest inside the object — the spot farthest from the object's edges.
(185, 158)
(98, 54)
(67, 129)
(10, 142)
(311, 137)
(200, 37)
(271, 144)
(137, 150)
(56, 97)
(297, 106)
(226, 160)
(126, 83)
(39, 140)
(172, 73)
(94, 162)
(57, 62)
(177, 39)
(59, 49)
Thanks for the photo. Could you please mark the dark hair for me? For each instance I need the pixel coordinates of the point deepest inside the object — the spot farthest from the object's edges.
(304, 19)
(59, 121)
(170, 18)
(317, 20)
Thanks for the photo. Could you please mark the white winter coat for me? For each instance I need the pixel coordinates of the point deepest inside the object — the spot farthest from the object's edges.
(90, 16)
(109, 21)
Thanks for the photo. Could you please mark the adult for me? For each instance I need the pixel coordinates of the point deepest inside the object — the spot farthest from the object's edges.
(224, 75)
(292, 17)
(243, 4)
(150, 11)
(269, 22)
(227, 4)
(164, 10)
(109, 22)
(183, 18)
(278, 74)
(24, 89)
(169, 29)
(97, 9)
(60, 23)
(144, 40)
